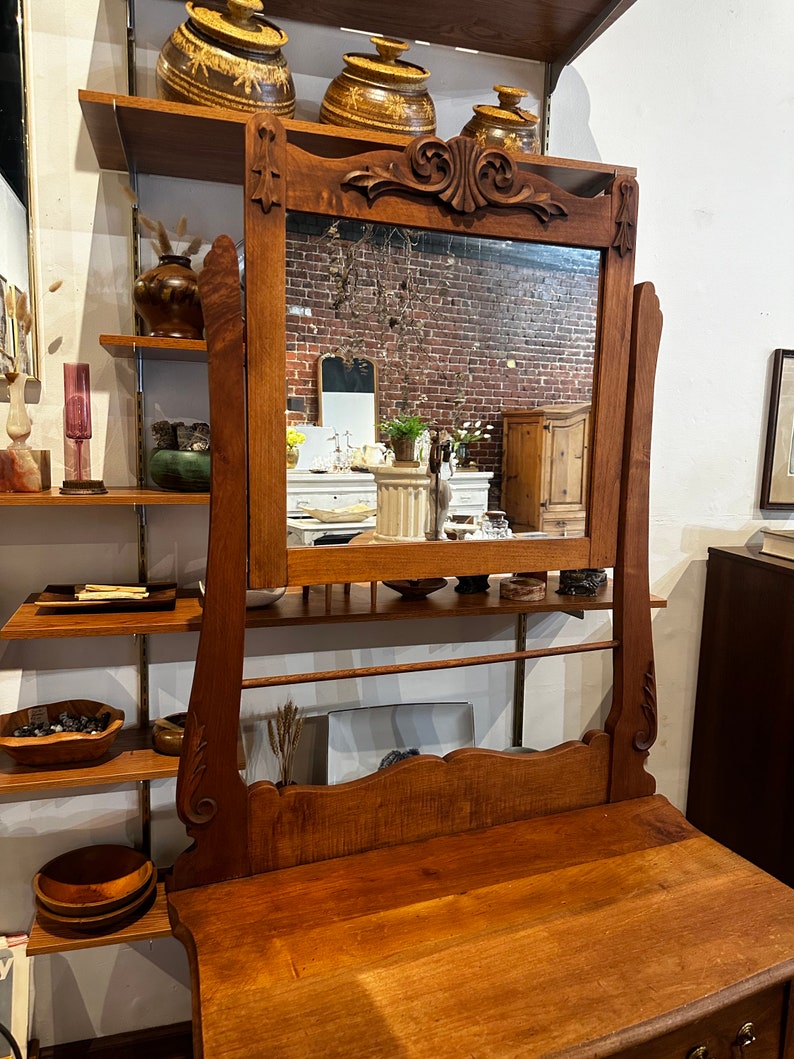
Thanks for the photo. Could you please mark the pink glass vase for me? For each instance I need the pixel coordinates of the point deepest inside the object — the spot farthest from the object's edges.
(77, 409)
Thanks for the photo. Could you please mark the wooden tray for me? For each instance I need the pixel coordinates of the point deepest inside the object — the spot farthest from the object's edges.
(162, 596)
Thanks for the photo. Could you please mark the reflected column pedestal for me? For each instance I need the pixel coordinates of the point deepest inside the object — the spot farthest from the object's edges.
(402, 504)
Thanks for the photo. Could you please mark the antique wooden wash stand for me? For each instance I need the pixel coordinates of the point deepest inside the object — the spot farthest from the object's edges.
(485, 904)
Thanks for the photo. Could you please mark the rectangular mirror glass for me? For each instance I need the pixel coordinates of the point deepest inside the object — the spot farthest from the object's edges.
(468, 333)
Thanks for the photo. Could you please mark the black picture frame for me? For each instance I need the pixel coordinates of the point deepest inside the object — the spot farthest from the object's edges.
(777, 483)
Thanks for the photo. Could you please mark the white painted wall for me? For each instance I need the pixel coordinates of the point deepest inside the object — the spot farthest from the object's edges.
(661, 91)
(700, 98)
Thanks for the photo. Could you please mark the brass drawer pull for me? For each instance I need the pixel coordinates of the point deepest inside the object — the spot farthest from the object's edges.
(701, 1052)
(745, 1037)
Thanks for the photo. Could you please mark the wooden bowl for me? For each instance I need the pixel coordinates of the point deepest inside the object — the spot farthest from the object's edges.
(138, 904)
(93, 881)
(167, 734)
(63, 748)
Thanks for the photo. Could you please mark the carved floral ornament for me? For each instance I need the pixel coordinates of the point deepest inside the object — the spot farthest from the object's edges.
(461, 174)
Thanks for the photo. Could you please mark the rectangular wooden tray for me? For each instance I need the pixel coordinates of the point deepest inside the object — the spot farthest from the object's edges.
(162, 596)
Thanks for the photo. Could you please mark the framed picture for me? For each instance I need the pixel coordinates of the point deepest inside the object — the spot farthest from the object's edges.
(6, 352)
(777, 484)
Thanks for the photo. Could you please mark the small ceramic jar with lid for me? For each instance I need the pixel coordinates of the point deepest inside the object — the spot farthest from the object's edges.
(230, 59)
(380, 92)
(506, 126)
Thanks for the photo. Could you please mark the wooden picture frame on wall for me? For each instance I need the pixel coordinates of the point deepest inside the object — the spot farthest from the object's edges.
(777, 484)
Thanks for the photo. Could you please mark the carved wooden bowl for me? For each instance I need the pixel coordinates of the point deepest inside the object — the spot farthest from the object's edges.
(93, 881)
(61, 748)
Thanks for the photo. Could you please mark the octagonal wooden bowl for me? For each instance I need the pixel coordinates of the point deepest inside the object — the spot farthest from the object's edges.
(62, 748)
(93, 881)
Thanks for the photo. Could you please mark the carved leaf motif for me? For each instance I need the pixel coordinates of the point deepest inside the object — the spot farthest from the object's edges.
(194, 810)
(643, 741)
(462, 174)
(624, 237)
(266, 189)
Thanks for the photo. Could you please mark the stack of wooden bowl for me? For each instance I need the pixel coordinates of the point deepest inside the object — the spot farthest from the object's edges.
(94, 888)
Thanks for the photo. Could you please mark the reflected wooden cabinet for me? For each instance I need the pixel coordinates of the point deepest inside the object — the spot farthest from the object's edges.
(544, 468)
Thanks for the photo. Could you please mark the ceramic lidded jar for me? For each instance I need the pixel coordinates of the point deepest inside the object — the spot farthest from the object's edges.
(506, 126)
(380, 92)
(230, 59)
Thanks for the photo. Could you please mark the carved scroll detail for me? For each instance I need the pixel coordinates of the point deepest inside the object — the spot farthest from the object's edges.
(624, 220)
(266, 192)
(461, 174)
(198, 811)
(643, 741)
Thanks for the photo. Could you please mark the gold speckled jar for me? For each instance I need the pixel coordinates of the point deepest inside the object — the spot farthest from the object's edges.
(380, 92)
(505, 126)
(230, 59)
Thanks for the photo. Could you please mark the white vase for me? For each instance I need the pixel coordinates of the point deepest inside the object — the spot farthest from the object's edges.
(18, 422)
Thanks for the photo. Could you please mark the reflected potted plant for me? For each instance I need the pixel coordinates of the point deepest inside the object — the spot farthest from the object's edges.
(468, 434)
(294, 440)
(403, 431)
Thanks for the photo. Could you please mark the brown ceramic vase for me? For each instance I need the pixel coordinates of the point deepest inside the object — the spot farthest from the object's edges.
(167, 299)
(507, 126)
(380, 92)
(230, 59)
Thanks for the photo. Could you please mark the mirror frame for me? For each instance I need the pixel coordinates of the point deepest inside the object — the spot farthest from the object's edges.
(455, 187)
(28, 282)
(322, 359)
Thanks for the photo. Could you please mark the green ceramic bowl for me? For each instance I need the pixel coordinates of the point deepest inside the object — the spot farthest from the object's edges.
(180, 472)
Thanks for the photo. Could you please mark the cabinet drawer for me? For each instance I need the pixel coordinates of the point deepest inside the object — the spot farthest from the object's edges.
(720, 1032)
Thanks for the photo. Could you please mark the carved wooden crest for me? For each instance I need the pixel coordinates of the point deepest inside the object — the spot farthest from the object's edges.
(266, 191)
(462, 174)
(193, 809)
(643, 741)
(625, 219)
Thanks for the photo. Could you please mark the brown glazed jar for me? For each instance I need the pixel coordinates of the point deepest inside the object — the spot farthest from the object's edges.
(380, 92)
(167, 299)
(230, 59)
(505, 126)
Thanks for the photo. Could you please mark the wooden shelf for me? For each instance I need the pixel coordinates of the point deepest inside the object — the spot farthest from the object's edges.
(51, 938)
(31, 622)
(118, 496)
(133, 134)
(130, 758)
(179, 349)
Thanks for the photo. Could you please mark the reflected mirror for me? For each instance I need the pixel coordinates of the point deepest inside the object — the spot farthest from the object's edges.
(463, 331)
(347, 398)
(18, 348)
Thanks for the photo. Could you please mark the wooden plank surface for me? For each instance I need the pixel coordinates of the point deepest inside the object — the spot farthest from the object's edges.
(130, 758)
(116, 496)
(32, 622)
(580, 933)
(46, 938)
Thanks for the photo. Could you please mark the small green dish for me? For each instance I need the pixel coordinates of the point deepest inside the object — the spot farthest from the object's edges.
(180, 471)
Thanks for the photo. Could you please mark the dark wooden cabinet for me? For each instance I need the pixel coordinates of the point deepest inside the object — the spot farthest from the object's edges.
(741, 778)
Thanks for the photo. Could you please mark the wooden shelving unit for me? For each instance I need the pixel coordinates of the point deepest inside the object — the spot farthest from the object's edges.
(119, 496)
(130, 758)
(178, 349)
(46, 938)
(132, 134)
(30, 622)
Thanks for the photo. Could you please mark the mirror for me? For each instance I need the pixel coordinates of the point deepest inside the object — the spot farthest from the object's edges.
(347, 398)
(357, 247)
(15, 264)
(461, 330)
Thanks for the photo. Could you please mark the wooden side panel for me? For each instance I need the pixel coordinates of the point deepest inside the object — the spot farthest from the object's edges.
(632, 719)
(211, 796)
(423, 798)
(266, 340)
